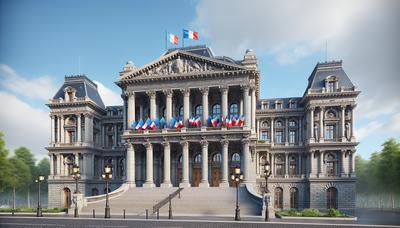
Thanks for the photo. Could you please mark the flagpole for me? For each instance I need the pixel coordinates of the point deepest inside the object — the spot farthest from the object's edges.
(183, 39)
(166, 40)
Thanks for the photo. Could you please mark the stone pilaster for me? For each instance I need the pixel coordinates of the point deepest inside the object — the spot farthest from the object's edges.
(204, 164)
(152, 97)
(167, 166)
(224, 99)
(51, 164)
(79, 129)
(186, 105)
(253, 108)
(311, 129)
(321, 124)
(286, 132)
(342, 163)
(353, 164)
(353, 121)
(52, 139)
(246, 160)
(225, 166)
(149, 166)
(185, 161)
(321, 164)
(168, 110)
(62, 132)
(131, 109)
(300, 131)
(272, 136)
(246, 106)
(204, 92)
(286, 165)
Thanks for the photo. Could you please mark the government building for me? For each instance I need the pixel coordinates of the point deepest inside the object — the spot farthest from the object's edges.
(188, 119)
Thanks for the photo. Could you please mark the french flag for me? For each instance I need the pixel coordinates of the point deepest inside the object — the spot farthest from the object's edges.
(139, 125)
(187, 34)
(173, 39)
(198, 122)
(240, 122)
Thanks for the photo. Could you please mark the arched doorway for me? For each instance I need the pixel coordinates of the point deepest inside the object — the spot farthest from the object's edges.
(294, 193)
(331, 198)
(67, 198)
(216, 170)
(278, 197)
(196, 175)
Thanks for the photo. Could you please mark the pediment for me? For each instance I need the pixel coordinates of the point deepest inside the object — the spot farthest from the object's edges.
(180, 62)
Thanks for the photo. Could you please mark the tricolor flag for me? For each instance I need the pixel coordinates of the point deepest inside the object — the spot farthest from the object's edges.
(187, 34)
(147, 124)
(172, 122)
(134, 124)
(198, 121)
(240, 122)
(139, 125)
(163, 122)
(173, 39)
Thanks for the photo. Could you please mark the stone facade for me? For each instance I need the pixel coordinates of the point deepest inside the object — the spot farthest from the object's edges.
(309, 140)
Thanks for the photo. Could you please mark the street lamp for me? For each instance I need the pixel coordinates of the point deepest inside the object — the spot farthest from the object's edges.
(39, 180)
(76, 174)
(107, 176)
(267, 174)
(237, 177)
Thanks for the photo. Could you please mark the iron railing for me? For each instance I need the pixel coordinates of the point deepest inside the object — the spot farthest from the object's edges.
(166, 200)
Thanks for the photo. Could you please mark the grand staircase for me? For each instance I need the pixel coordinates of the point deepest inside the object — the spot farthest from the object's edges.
(192, 201)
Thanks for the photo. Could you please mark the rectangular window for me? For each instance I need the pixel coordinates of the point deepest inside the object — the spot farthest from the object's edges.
(292, 104)
(292, 137)
(264, 135)
(329, 131)
(278, 137)
(278, 105)
(279, 169)
(331, 86)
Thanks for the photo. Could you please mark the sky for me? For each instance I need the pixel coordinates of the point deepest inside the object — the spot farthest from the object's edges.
(42, 41)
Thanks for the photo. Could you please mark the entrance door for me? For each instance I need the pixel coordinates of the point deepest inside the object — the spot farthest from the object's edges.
(216, 177)
(196, 176)
(67, 198)
(278, 198)
(331, 197)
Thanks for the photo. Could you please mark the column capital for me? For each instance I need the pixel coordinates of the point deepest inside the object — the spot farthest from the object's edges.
(245, 141)
(184, 143)
(204, 143)
(245, 87)
(168, 92)
(129, 94)
(151, 93)
(353, 106)
(311, 108)
(252, 87)
(224, 142)
(224, 89)
(166, 143)
(321, 108)
(88, 115)
(204, 90)
(185, 92)
(343, 107)
(147, 145)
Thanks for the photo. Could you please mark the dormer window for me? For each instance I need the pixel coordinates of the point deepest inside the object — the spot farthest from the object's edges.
(69, 94)
(331, 84)
(278, 105)
(264, 105)
(292, 104)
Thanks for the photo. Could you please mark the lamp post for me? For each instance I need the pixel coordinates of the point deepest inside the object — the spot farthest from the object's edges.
(267, 174)
(107, 176)
(39, 180)
(237, 177)
(76, 174)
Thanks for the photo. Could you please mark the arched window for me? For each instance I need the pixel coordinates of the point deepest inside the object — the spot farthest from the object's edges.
(278, 197)
(294, 198)
(292, 123)
(234, 109)
(263, 160)
(198, 111)
(216, 110)
(292, 165)
(235, 157)
(331, 198)
(279, 165)
(278, 123)
(217, 157)
(181, 111)
(197, 158)
(264, 124)
(330, 162)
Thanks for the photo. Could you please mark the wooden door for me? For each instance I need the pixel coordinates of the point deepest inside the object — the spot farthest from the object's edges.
(67, 198)
(196, 177)
(215, 177)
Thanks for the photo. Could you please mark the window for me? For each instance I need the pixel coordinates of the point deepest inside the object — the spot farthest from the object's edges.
(181, 111)
(294, 198)
(279, 123)
(278, 105)
(264, 106)
(217, 158)
(198, 110)
(329, 131)
(279, 165)
(235, 157)
(330, 162)
(278, 137)
(292, 104)
(292, 123)
(263, 160)
(292, 165)
(264, 135)
(197, 159)
(331, 198)
(331, 86)
(234, 109)
(216, 110)
(292, 137)
(278, 196)
(264, 124)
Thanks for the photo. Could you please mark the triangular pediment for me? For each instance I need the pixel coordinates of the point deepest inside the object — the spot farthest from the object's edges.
(181, 62)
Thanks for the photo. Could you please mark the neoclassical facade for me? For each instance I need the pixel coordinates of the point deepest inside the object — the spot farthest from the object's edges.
(309, 140)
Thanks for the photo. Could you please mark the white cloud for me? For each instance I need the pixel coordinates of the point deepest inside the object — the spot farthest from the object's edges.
(24, 125)
(36, 88)
(108, 96)
(388, 125)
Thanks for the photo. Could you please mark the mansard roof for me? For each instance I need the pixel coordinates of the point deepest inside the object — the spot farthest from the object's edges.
(285, 102)
(84, 88)
(323, 70)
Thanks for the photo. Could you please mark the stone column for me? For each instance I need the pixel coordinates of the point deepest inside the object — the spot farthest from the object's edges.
(152, 97)
(321, 124)
(103, 136)
(130, 166)
(87, 120)
(272, 136)
(185, 161)
(311, 139)
(342, 163)
(224, 106)
(204, 164)
(241, 107)
(246, 106)
(286, 165)
(321, 164)
(52, 129)
(79, 129)
(204, 92)
(62, 132)
(258, 130)
(253, 108)
(342, 123)
(225, 166)
(51, 164)
(77, 159)
(115, 135)
(353, 121)
(300, 131)
(299, 164)
(272, 165)
(353, 163)
(246, 160)
(149, 166)
(58, 140)
(167, 166)
(58, 170)
(286, 132)
(131, 109)
(186, 104)
(168, 109)
(313, 166)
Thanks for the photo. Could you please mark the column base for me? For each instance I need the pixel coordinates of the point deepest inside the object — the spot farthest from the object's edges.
(343, 175)
(353, 139)
(131, 184)
(312, 175)
(166, 185)
(352, 175)
(320, 175)
(184, 185)
(344, 139)
(149, 185)
(224, 185)
(311, 140)
(204, 185)
(321, 140)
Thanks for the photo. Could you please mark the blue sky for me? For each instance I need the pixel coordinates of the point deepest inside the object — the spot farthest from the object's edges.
(41, 41)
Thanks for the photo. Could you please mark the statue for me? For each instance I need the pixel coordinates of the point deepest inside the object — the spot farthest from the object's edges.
(316, 131)
(347, 132)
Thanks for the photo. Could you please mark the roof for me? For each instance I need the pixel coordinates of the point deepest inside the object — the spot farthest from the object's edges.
(285, 101)
(325, 69)
(83, 86)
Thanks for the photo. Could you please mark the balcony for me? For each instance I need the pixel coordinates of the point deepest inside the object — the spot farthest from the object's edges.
(182, 130)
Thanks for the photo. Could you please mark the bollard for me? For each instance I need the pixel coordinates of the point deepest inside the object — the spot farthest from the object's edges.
(170, 208)
(124, 213)
(179, 194)
(94, 213)
(147, 214)
(158, 213)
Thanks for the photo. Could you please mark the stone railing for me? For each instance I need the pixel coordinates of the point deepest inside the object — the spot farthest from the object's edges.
(117, 192)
